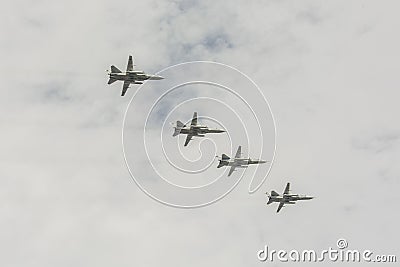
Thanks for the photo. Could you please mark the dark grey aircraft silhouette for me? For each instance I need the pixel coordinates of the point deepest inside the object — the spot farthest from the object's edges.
(193, 129)
(285, 198)
(237, 161)
(130, 76)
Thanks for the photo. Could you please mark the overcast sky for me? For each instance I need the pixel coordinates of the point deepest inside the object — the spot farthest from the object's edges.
(329, 70)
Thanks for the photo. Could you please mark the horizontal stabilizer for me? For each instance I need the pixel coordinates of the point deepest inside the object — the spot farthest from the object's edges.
(115, 69)
(221, 164)
(180, 124)
(225, 157)
(273, 193)
(111, 80)
(176, 132)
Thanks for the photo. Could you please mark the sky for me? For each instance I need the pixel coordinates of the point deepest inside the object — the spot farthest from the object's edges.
(329, 71)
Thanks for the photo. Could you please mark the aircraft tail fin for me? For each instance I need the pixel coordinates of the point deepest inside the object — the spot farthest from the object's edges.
(221, 164)
(273, 193)
(115, 69)
(176, 132)
(179, 126)
(223, 161)
(111, 80)
(225, 157)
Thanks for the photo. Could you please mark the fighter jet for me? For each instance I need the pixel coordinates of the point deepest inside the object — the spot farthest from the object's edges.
(129, 76)
(286, 198)
(237, 161)
(193, 129)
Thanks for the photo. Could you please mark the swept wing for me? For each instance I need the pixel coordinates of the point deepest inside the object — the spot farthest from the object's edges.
(129, 67)
(125, 87)
(287, 189)
(280, 206)
(238, 152)
(188, 138)
(231, 170)
(194, 120)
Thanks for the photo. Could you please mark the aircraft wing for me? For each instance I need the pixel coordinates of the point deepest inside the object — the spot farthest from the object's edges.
(287, 189)
(125, 87)
(238, 152)
(280, 206)
(115, 69)
(188, 138)
(130, 64)
(231, 170)
(194, 120)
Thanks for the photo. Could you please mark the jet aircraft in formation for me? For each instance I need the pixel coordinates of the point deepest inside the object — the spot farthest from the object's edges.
(285, 198)
(193, 129)
(130, 76)
(237, 161)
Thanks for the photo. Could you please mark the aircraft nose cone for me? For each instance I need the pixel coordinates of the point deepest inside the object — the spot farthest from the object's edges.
(155, 77)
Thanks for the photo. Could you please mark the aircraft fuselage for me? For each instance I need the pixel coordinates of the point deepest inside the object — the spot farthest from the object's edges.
(198, 130)
(133, 76)
(241, 162)
(288, 199)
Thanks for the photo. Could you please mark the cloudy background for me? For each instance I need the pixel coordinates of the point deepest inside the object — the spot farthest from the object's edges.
(329, 70)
